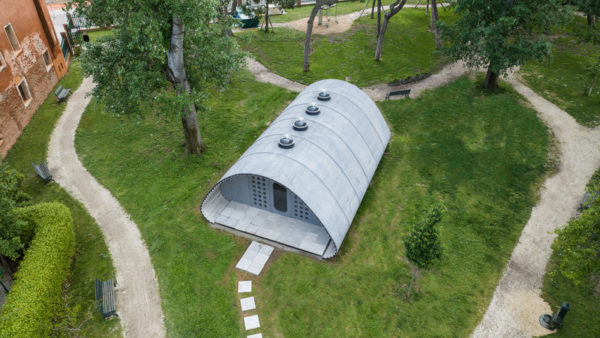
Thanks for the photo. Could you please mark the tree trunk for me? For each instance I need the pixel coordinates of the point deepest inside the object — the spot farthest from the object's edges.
(410, 285)
(176, 75)
(427, 7)
(434, 19)
(372, 8)
(378, 17)
(234, 7)
(591, 20)
(394, 9)
(311, 21)
(491, 80)
(267, 17)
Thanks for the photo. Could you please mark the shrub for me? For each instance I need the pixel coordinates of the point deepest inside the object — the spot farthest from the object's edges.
(36, 295)
(15, 234)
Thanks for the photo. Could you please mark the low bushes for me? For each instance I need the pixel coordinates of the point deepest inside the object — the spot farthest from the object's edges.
(37, 292)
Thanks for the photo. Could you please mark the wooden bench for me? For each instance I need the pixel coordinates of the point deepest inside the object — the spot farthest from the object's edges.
(43, 172)
(405, 92)
(105, 297)
(62, 93)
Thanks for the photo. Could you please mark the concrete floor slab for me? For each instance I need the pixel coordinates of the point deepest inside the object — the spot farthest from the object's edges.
(278, 228)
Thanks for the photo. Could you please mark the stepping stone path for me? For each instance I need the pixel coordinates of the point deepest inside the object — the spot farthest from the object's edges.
(253, 261)
(248, 304)
(255, 258)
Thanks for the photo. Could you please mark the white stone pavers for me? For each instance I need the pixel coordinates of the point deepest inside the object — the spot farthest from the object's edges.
(245, 286)
(248, 304)
(255, 258)
(258, 335)
(251, 322)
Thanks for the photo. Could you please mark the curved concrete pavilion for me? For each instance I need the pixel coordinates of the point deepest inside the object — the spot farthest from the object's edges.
(304, 195)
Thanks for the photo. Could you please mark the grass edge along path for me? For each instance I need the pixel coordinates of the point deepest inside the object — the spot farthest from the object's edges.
(409, 50)
(91, 258)
(484, 155)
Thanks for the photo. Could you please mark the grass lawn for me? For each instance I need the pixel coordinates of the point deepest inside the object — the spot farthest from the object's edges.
(91, 254)
(95, 35)
(143, 167)
(346, 7)
(409, 49)
(562, 80)
(483, 155)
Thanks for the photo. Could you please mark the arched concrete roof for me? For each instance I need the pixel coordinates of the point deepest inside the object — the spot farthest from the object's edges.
(331, 163)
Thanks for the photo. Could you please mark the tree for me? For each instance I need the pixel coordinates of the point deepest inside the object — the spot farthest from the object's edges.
(156, 45)
(501, 34)
(422, 244)
(434, 28)
(593, 74)
(591, 8)
(309, 28)
(394, 9)
(15, 234)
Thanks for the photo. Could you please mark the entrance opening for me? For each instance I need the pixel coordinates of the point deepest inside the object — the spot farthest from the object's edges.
(279, 197)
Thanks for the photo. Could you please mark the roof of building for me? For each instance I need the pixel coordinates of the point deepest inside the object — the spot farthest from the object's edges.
(332, 162)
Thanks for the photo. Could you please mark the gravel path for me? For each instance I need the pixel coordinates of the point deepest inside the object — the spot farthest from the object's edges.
(516, 304)
(138, 300)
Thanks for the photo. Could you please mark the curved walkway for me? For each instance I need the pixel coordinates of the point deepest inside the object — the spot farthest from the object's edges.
(517, 304)
(138, 300)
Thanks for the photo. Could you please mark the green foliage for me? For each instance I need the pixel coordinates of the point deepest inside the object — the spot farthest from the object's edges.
(593, 75)
(482, 155)
(15, 234)
(577, 246)
(36, 295)
(130, 65)
(500, 34)
(422, 244)
(287, 4)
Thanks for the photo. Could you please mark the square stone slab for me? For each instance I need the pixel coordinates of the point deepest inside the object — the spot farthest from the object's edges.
(245, 286)
(248, 304)
(251, 322)
(255, 258)
(258, 335)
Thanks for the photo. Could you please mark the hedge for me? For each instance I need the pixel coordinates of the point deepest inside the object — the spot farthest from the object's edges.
(36, 295)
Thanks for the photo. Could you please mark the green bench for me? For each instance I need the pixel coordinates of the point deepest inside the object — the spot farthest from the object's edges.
(105, 297)
(405, 92)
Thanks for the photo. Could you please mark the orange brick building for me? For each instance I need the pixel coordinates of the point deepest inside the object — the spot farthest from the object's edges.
(31, 63)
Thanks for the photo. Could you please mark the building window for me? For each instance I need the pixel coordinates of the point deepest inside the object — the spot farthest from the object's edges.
(2, 62)
(24, 92)
(12, 37)
(280, 197)
(47, 60)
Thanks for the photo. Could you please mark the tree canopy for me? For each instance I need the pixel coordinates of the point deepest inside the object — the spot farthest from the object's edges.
(155, 44)
(423, 245)
(501, 34)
